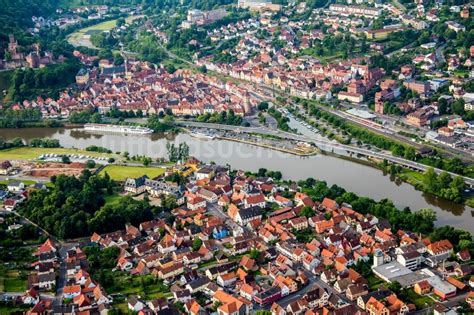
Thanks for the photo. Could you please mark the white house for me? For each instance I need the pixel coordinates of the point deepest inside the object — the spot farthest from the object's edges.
(135, 305)
(15, 186)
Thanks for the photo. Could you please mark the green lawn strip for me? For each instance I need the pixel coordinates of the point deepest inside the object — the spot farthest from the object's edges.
(123, 307)
(109, 199)
(26, 182)
(412, 177)
(421, 301)
(10, 281)
(28, 153)
(9, 309)
(146, 286)
(374, 282)
(103, 26)
(122, 172)
(208, 263)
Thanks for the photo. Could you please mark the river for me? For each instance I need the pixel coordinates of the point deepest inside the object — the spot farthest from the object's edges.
(361, 179)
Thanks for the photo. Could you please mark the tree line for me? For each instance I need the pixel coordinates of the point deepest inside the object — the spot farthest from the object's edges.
(444, 185)
(10, 118)
(177, 153)
(454, 165)
(282, 121)
(35, 143)
(44, 143)
(75, 207)
(47, 82)
(227, 117)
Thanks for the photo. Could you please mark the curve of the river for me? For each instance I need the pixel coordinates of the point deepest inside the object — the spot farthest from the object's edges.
(356, 177)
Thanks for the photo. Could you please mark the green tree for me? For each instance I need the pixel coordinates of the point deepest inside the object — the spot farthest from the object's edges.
(96, 118)
(262, 106)
(254, 254)
(197, 243)
(431, 180)
(410, 153)
(396, 287)
(307, 211)
(66, 159)
(146, 161)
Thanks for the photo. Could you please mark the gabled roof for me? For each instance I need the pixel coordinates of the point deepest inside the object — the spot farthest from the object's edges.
(250, 212)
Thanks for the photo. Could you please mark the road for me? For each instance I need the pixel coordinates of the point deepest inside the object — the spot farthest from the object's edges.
(355, 120)
(325, 145)
(62, 277)
(313, 281)
(271, 92)
(25, 219)
(439, 53)
(25, 178)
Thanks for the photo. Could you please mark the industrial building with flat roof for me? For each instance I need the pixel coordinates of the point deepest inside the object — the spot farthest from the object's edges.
(391, 270)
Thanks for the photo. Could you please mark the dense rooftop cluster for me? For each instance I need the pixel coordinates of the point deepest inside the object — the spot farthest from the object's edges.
(241, 243)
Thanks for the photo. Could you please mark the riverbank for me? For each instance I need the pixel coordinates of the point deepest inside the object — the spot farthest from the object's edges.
(357, 176)
(271, 147)
(417, 180)
(29, 153)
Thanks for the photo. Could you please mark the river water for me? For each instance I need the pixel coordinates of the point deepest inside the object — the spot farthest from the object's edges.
(356, 177)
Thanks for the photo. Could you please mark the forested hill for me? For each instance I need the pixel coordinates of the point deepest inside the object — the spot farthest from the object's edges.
(15, 16)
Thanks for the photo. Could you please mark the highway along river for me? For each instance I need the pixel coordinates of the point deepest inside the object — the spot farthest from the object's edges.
(358, 178)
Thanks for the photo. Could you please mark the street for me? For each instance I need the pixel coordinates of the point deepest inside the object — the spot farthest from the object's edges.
(328, 146)
(62, 276)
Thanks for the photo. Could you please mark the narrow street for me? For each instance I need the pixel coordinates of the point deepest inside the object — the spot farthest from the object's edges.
(62, 276)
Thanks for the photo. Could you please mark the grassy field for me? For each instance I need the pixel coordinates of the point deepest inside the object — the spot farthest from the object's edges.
(77, 38)
(122, 172)
(112, 198)
(26, 182)
(412, 177)
(374, 282)
(146, 286)
(123, 307)
(10, 281)
(8, 309)
(27, 153)
(421, 301)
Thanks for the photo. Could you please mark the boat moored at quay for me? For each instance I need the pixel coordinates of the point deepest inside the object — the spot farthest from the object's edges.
(131, 130)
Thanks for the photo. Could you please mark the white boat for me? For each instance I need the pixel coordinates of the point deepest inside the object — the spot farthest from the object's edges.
(132, 130)
(203, 135)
